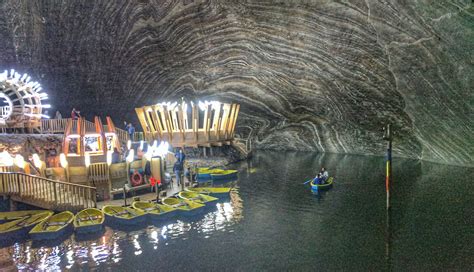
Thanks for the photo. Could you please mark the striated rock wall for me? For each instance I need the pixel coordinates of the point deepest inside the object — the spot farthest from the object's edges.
(310, 74)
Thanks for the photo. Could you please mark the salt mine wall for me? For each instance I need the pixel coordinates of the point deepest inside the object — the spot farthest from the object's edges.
(310, 75)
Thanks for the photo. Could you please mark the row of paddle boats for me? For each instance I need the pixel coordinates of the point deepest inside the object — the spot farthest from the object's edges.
(42, 224)
(215, 174)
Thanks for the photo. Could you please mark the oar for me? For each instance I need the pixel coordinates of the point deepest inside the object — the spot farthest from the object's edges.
(21, 222)
(88, 215)
(306, 182)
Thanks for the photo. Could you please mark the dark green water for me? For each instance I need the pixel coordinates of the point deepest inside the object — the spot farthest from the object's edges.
(273, 222)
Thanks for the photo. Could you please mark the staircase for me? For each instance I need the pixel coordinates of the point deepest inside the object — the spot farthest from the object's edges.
(46, 193)
(243, 146)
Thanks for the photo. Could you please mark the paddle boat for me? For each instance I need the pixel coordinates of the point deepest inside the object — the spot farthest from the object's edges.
(184, 206)
(224, 175)
(123, 215)
(154, 211)
(216, 191)
(53, 226)
(199, 198)
(205, 173)
(10, 216)
(319, 187)
(89, 221)
(23, 225)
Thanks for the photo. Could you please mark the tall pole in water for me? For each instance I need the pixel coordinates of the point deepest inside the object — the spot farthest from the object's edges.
(388, 164)
(388, 179)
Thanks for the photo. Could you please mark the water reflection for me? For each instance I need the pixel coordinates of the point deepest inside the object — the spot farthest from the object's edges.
(287, 228)
(90, 252)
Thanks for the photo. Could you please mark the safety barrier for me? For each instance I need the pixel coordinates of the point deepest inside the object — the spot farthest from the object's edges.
(46, 193)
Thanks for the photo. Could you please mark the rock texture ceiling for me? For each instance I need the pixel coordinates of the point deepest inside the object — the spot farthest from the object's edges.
(310, 75)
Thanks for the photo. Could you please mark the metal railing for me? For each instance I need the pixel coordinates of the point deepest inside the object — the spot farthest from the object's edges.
(47, 193)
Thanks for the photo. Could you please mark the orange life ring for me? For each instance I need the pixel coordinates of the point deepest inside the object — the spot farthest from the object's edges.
(136, 179)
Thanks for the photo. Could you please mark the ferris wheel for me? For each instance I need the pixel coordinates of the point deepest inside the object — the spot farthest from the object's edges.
(20, 101)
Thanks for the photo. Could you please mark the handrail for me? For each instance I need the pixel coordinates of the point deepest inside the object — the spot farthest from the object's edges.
(47, 193)
(54, 125)
(247, 142)
(59, 126)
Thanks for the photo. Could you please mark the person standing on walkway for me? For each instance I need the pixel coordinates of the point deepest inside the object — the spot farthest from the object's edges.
(179, 165)
(75, 114)
(130, 130)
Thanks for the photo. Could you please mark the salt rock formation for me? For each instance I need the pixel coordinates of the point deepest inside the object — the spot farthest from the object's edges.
(310, 74)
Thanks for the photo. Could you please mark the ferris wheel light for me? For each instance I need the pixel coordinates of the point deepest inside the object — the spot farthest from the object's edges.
(21, 88)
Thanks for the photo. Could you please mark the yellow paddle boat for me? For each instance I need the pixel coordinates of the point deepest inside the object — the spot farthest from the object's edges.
(318, 187)
(205, 173)
(153, 210)
(210, 190)
(223, 175)
(53, 227)
(199, 198)
(23, 225)
(123, 215)
(9, 216)
(89, 221)
(186, 207)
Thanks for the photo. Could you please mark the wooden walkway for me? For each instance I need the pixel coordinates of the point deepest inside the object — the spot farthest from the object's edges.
(46, 193)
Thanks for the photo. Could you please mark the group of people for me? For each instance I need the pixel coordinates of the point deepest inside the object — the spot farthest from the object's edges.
(321, 177)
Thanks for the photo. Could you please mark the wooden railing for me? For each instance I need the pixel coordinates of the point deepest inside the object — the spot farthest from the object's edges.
(59, 126)
(122, 135)
(46, 193)
(98, 173)
(54, 125)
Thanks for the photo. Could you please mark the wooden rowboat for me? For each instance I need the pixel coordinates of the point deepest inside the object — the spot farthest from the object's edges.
(211, 190)
(226, 174)
(123, 215)
(205, 173)
(10, 216)
(23, 225)
(89, 221)
(53, 227)
(199, 198)
(325, 186)
(186, 207)
(154, 211)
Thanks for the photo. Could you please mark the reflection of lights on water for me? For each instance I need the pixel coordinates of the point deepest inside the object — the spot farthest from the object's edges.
(108, 247)
(163, 231)
(70, 259)
(137, 246)
(116, 253)
(154, 236)
(28, 254)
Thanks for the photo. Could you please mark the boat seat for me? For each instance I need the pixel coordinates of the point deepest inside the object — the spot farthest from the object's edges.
(179, 205)
(90, 218)
(55, 223)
